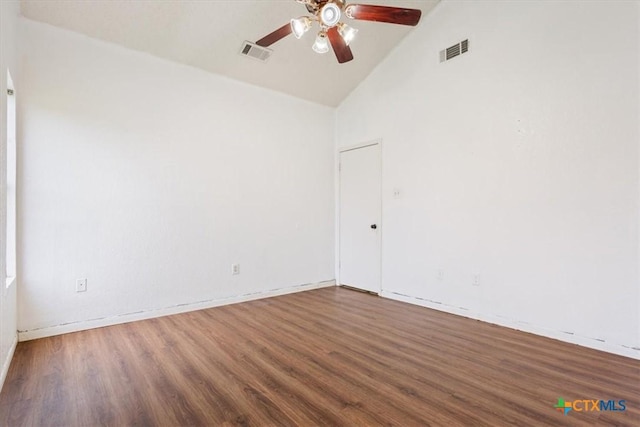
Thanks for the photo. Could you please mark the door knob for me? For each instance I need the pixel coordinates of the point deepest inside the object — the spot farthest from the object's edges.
(374, 226)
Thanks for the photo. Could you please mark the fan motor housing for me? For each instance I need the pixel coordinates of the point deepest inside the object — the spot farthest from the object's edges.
(314, 6)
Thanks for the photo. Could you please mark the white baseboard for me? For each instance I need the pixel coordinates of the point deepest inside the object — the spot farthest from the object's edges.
(165, 311)
(7, 362)
(593, 343)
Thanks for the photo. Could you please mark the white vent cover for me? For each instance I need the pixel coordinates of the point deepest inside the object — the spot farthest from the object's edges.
(455, 50)
(254, 51)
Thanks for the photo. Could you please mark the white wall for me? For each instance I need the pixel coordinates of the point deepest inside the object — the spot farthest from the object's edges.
(517, 161)
(151, 178)
(8, 61)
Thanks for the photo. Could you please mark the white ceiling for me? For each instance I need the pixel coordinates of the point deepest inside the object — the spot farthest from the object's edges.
(208, 34)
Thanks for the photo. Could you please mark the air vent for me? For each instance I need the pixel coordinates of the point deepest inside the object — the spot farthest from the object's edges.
(254, 51)
(455, 50)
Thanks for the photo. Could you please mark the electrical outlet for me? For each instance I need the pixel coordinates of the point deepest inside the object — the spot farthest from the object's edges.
(476, 280)
(81, 285)
(440, 275)
(235, 269)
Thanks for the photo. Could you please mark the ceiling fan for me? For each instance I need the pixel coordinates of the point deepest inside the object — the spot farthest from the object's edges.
(327, 13)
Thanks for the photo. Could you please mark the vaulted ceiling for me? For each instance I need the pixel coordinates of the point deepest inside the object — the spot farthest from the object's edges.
(209, 34)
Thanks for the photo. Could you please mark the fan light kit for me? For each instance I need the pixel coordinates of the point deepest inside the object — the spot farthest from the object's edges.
(321, 44)
(327, 13)
(330, 14)
(348, 33)
(300, 26)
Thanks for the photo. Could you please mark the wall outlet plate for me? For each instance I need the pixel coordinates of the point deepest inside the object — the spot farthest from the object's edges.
(476, 280)
(81, 285)
(235, 269)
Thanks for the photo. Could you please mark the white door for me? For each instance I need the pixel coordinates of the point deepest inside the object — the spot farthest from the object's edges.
(360, 212)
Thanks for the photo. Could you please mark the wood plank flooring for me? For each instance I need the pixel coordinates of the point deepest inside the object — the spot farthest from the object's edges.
(326, 357)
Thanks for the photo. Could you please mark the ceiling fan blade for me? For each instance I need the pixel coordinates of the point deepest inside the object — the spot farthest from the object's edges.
(391, 15)
(340, 48)
(273, 37)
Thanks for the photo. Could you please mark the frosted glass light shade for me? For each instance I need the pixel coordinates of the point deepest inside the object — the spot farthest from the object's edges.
(299, 26)
(348, 33)
(321, 44)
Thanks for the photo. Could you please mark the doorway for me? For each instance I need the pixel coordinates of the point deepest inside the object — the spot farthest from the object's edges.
(360, 212)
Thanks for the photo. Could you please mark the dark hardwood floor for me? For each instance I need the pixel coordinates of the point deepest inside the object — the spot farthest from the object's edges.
(326, 357)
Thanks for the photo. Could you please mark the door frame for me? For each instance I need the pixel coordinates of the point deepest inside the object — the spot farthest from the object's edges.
(341, 150)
